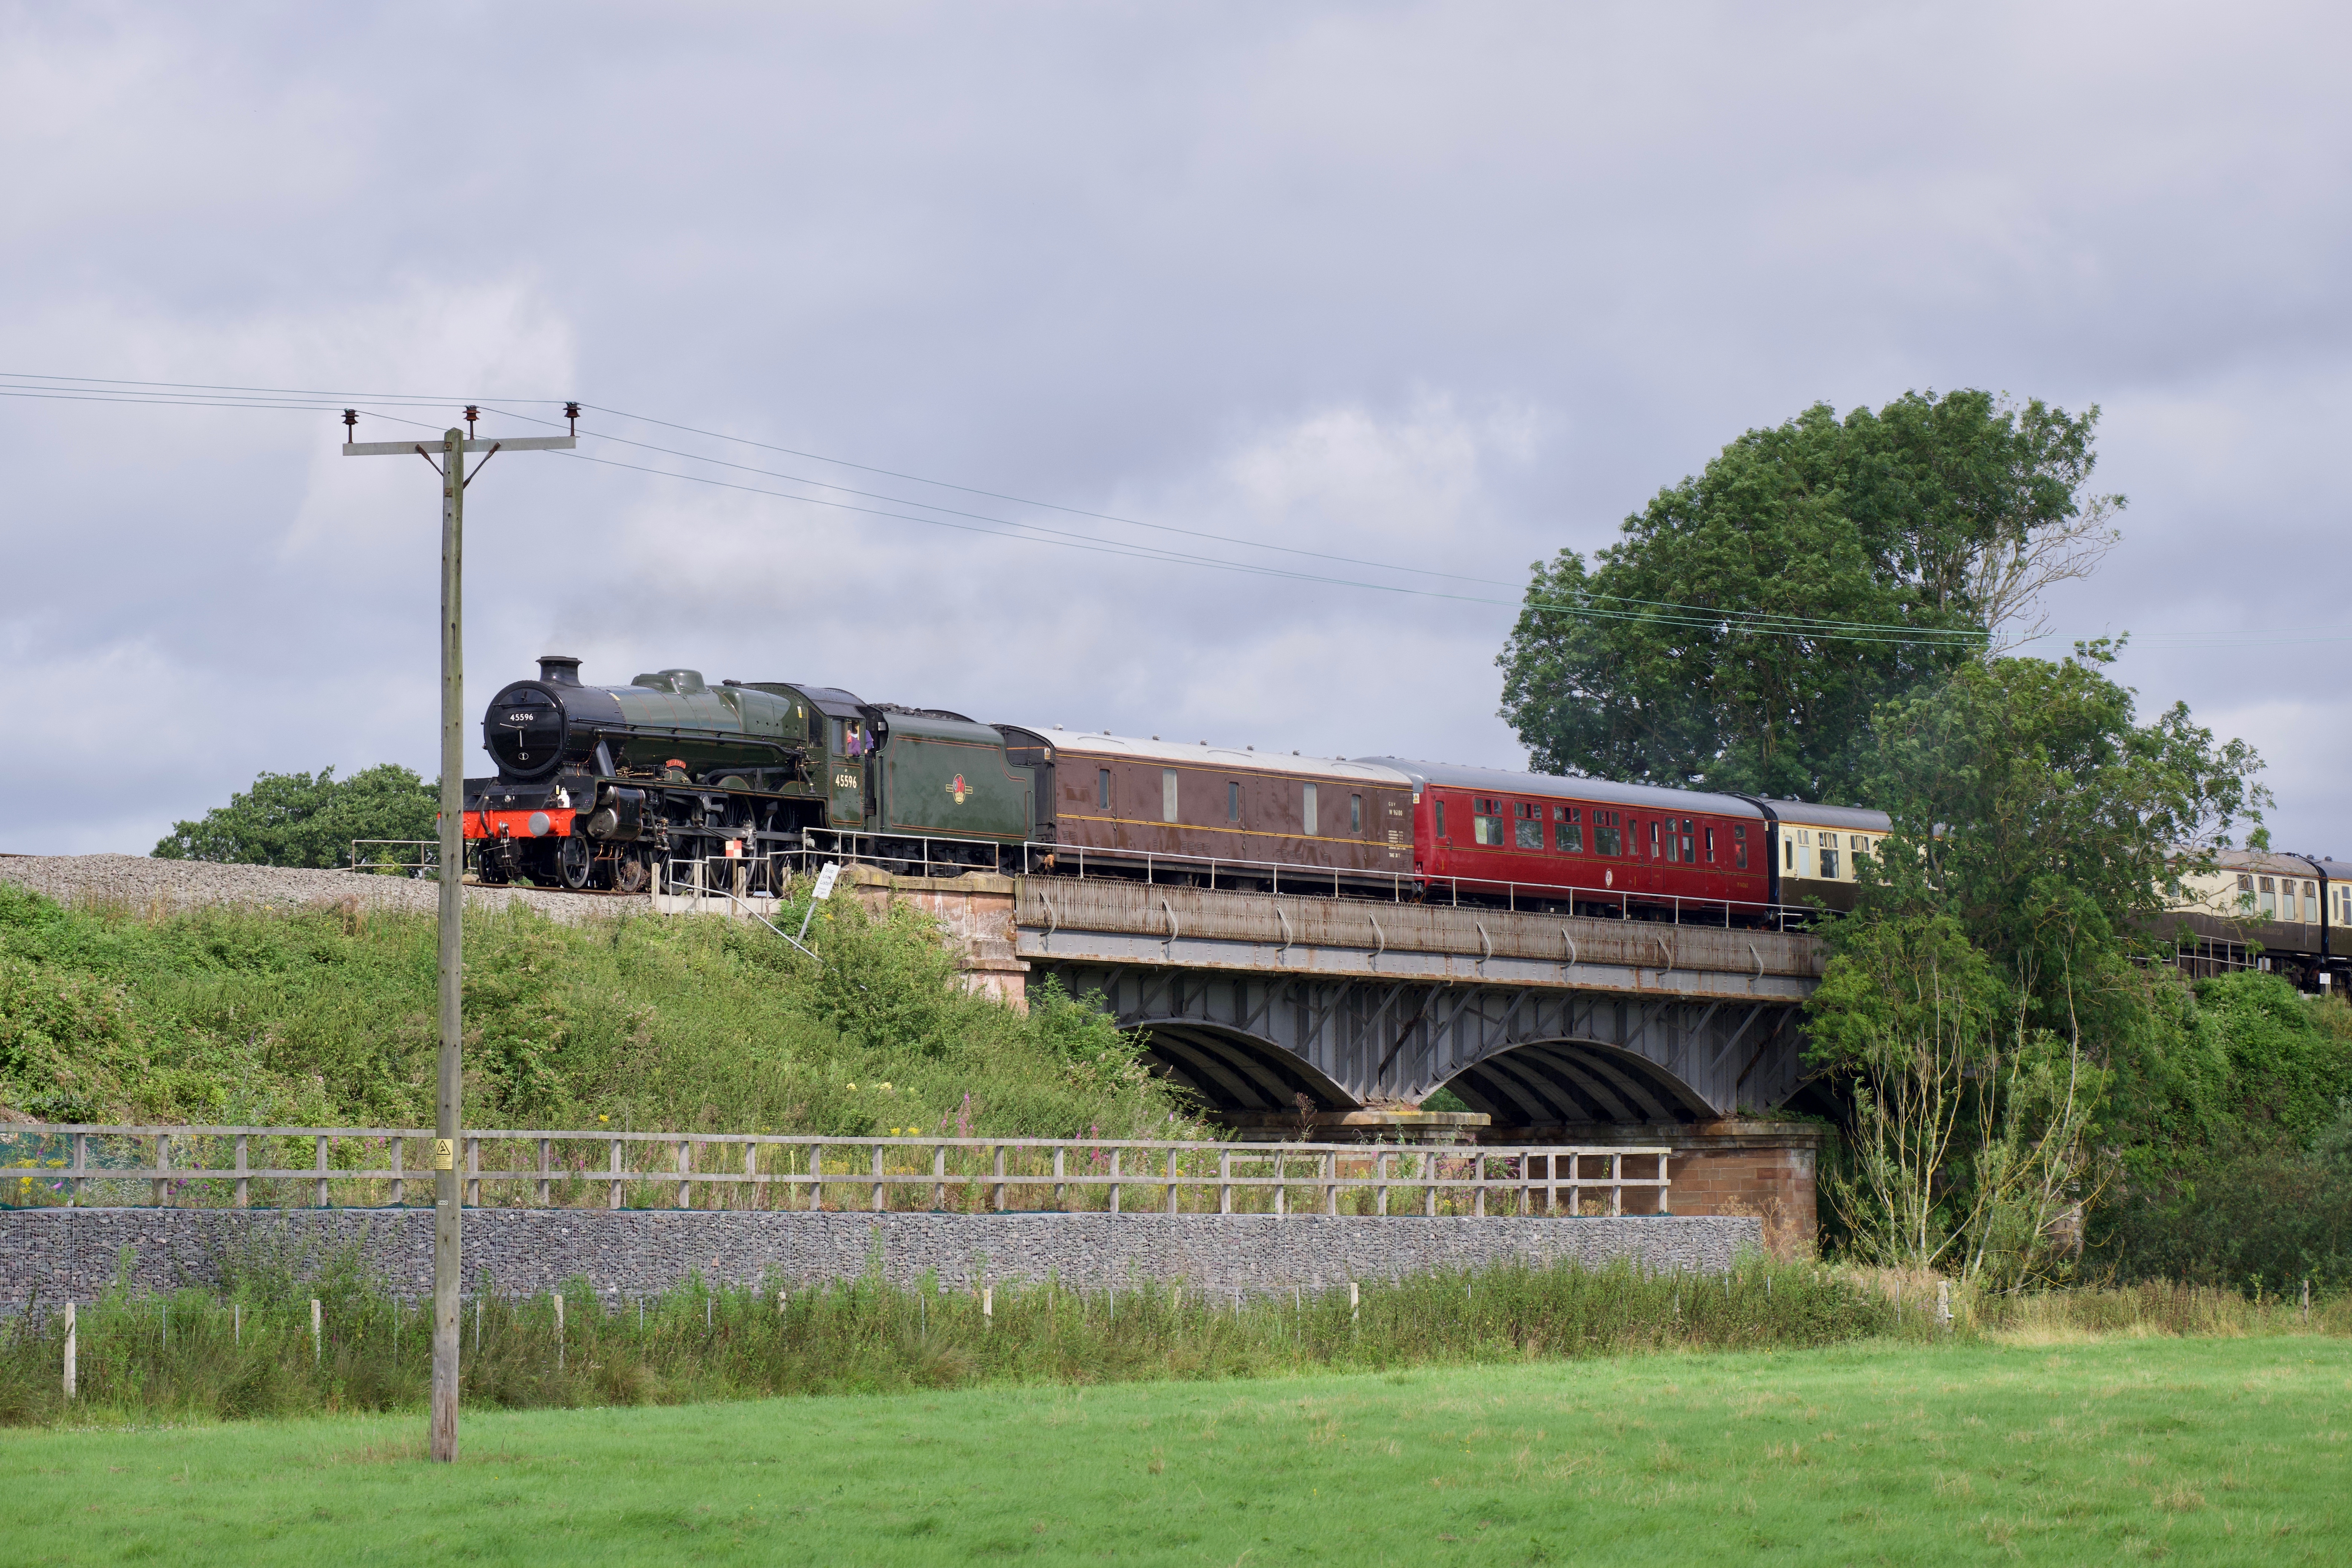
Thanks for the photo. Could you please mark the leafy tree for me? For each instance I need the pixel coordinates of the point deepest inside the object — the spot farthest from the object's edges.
(1982, 997)
(296, 820)
(1735, 637)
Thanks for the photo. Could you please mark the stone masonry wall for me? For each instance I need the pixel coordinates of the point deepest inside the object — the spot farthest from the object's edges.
(63, 1253)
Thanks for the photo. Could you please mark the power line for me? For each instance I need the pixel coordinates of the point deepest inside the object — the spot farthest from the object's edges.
(1696, 618)
(1690, 615)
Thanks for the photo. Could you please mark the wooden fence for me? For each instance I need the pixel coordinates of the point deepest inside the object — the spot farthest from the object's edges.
(371, 1167)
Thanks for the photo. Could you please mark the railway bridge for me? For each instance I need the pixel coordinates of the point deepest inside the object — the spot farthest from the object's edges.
(1535, 1021)
(1293, 1015)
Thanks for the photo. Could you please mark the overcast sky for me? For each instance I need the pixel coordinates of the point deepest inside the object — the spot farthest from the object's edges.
(1445, 286)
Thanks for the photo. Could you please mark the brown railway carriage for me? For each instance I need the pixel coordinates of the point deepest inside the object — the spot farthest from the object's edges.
(1258, 816)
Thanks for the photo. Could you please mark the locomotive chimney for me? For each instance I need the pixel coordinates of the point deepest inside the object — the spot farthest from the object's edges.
(559, 669)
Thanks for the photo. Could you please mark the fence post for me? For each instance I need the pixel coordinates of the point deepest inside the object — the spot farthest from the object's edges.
(317, 1336)
(1171, 1180)
(162, 1162)
(1429, 1192)
(399, 1185)
(80, 1164)
(754, 1186)
(72, 1349)
(1331, 1181)
(546, 1153)
(1225, 1181)
(557, 1297)
(881, 1199)
(1478, 1185)
(473, 1173)
(1380, 1171)
(816, 1177)
(1061, 1188)
(1114, 1179)
(617, 1173)
(1616, 1183)
(684, 1164)
(1000, 1178)
(244, 1186)
(320, 1166)
(939, 1175)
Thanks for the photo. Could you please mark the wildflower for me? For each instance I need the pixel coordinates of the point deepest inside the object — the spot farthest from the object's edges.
(852, 1086)
(887, 1089)
(603, 1118)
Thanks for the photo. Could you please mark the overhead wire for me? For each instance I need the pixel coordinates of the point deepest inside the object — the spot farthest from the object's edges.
(1696, 618)
(1689, 616)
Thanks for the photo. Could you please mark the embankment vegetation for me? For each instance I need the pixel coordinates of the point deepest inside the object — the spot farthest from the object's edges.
(325, 1018)
(246, 1347)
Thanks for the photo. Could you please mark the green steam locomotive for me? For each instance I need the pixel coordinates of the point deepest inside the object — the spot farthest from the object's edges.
(598, 786)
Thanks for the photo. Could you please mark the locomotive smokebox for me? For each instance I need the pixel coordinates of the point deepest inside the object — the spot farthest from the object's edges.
(559, 669)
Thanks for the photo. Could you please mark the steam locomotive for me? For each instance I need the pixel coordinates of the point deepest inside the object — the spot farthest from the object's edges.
(605, 786)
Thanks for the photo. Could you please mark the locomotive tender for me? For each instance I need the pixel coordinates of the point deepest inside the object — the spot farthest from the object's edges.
(599, 785)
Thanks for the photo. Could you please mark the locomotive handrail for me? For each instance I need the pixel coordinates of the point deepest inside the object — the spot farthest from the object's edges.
(1446, 1178)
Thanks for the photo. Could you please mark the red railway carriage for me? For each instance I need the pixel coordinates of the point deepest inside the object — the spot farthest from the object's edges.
(1586, 844)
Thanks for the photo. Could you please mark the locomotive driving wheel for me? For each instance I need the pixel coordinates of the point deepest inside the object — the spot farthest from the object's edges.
(576, 861)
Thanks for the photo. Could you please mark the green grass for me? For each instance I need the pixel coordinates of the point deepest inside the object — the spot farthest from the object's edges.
(248, 1352)
(324, 1017)
(2203, 1450)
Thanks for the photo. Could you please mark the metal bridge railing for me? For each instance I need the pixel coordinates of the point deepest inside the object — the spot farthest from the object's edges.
(716, 876)
(66, 1165)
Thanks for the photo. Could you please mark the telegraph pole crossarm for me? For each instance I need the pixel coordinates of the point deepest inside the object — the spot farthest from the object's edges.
(452, 446)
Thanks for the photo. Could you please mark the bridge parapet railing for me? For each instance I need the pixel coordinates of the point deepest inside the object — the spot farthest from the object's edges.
(68, 1165)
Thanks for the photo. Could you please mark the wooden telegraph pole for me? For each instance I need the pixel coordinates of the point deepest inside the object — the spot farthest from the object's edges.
(453, 448)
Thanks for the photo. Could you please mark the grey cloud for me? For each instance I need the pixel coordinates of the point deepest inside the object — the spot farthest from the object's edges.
(1445, 286)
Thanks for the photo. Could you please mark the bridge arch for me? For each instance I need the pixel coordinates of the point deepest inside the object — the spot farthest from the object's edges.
(1551, 1082)
(1234, 1070)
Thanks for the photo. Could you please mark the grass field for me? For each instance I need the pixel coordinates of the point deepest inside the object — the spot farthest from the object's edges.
(2208, 1450)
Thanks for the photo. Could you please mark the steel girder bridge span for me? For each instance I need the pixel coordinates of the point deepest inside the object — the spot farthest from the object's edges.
(1254, 1001)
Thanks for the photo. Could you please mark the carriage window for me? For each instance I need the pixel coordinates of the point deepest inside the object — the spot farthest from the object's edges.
(1739, 845)
(1102, 789)
(1654, 838)
(2311, 900)
(1710, 846)
(1606, 839)
(1232, 801)
(1688, 856)
(1789, 852)
(1486, 827)
(1441, 819)
(1167, 794)
(1527, 826)
(2245, 892)
(1307, 811)
(1829, 856)
(2268, 899)
(1355, 814)
(1567, 834)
